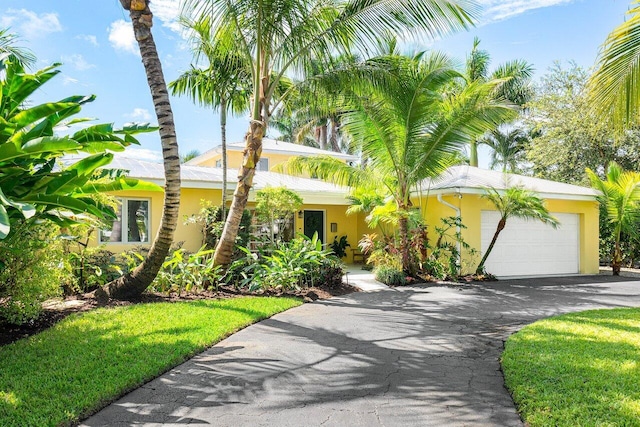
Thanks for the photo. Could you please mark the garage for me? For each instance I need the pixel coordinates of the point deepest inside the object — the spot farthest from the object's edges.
(532, 248)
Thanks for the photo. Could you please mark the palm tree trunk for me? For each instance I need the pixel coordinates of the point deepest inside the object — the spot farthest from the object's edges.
(333, 140)
(133, 284)
(473, 153)
(403, 229)
(322, 139)
(223, 136)
(252, 151)
(501, 225)
(617, 257)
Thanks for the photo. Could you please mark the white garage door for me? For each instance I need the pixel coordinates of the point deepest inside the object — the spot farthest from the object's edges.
(531, 248)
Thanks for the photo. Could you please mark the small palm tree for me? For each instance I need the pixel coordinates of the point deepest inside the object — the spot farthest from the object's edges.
(516, 202)
(507, 148)
(613, 87)
(621, 198)
(9, 51)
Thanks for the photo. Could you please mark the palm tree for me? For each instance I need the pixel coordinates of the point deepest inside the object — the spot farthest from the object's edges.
(515, 88)
(9, 51)
(407, 125)
(224, 84)
(620, 196)
(507, 148)
(282, 36)
(516, 202)
(613, 87)
(133, 284)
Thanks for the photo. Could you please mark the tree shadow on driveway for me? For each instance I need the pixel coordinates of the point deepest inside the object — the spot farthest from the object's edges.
(424, 355)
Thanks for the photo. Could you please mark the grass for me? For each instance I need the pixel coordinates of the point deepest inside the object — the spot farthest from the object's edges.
(580, 369)
(87, 360)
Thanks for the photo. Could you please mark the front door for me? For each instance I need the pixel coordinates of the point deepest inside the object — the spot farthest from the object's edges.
(314, 222)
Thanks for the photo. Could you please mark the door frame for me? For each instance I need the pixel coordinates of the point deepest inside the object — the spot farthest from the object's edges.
(324, 223)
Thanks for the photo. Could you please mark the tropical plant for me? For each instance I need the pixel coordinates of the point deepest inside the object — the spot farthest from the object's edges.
(515, 87)
(297, 264)
(224, 84)
(567, 136)
(508, 148)
(133, 284)
(277, 37)
(339, 247)
(276, 206)
(390, 276)
(408, 126)
(445, 255)
(613, 87)
(211, 220)
(10, 52)
(620, 196)
(514, 202)
(188, 272)
(37, 181)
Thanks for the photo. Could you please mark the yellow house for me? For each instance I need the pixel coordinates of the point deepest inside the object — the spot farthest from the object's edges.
(524, 248)
(323, 211)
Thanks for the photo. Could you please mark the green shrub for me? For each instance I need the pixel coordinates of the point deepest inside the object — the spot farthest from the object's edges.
(297, 264)
(185, 272)
(339, 247)
(390, 276)
(33, 268)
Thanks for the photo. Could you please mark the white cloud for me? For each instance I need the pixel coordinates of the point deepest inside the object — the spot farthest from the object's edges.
(66, 80)
(167, 11)
(143, 154)
(498, 10)
(78, 62)
(88, 38)
(121, 37)
(29, 24)
(139, 114)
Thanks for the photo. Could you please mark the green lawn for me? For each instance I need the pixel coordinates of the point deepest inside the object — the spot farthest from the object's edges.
(87, 360)
(579, 369)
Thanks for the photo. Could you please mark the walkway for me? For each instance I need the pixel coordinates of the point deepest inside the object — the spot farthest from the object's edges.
(419, 356)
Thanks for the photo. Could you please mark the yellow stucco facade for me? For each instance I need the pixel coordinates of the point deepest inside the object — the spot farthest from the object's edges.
(471, 206)
(191, 237)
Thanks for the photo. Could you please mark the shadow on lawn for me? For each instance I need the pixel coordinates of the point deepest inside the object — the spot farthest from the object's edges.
(403, 356)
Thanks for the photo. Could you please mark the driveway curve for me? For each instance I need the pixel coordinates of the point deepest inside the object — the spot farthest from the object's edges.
(413, 356)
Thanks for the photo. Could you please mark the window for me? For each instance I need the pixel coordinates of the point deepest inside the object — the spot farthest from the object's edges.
(132, 224)
(263, 164)
(218, 163)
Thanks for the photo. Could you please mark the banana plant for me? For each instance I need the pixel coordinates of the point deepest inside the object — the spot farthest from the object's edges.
(48, 175)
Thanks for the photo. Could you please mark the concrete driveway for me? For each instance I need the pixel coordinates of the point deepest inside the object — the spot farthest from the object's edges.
(415, 356)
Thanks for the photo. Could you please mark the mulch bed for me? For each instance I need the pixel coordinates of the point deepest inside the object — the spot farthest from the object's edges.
(55, 311)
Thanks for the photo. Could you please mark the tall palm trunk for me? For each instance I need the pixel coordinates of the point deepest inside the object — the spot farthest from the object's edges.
(617, 254)
(403, 229)
(134, 283)
(333, 140)
(501, 225)
(473, 153)
(223, 135)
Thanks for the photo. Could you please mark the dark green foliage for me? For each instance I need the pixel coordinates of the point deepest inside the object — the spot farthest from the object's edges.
(33, 269)
(212, 223)
(390, 276)
(297, 264)
(445, 253)
(185, 272)
(33, 185)
(339, 247)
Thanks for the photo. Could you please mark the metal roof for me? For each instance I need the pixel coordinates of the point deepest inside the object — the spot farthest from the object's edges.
(312, 190)
(469, 179)
(274, 146)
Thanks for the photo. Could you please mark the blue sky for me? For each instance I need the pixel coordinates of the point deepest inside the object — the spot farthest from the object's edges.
(94, 41)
